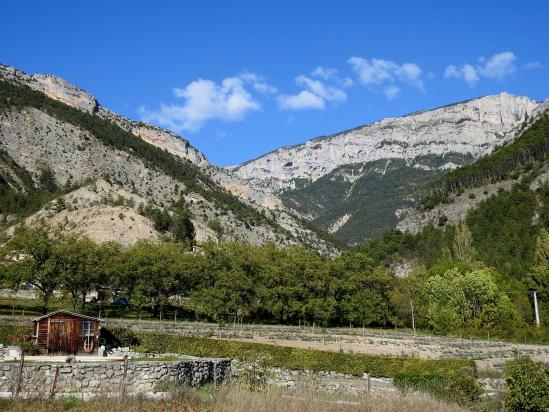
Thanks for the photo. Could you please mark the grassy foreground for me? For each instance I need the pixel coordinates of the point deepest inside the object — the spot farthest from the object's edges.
(236, 399)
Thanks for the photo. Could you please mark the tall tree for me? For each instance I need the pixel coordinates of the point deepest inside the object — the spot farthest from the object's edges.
(39, 268)
(75, 257)
(541, 251)
(182, 226)
(462, 245)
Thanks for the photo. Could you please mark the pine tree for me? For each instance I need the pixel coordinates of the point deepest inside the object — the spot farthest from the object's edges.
(183, 228)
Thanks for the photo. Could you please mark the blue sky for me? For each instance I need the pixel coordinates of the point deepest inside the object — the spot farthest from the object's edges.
(241, 78)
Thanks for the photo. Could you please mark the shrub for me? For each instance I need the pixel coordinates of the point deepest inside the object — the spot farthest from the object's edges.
(527, 385)
(8, 332)
(124, 336)
(457, 386)
(442, 220)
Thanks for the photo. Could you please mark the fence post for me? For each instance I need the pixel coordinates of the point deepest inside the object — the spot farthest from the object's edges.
(20, 375)
(413, 317)
(214, 374)
(52, 392)
(125, 375)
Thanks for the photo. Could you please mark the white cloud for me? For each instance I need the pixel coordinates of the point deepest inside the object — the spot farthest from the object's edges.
(258, 83)
(391, 91)
(314, 95)
(467, 72)
(377, 72)
(325, 73)
(204, 100)
(265, 88)
(331, 74)
(321, 90)
(302, 100)
(498, 67)
(532, 65)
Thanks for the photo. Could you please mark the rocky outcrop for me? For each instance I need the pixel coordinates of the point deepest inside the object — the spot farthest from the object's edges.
(413, 220)
(473, 127)
(61, 90)
(53, 87)
(36, 141)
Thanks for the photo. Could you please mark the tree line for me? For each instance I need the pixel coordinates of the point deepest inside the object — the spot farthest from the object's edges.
(286, 285)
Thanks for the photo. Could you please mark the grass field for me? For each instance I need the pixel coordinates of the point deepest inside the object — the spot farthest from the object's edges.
(235, 399)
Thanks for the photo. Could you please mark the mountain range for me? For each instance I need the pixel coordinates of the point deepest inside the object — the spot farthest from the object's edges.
(112, 178)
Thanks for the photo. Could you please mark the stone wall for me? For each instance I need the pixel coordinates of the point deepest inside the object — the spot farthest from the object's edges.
(109, 376)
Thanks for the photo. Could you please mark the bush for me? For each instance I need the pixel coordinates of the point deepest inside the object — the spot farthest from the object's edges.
(442, 220)
(8, 332)
(124, 336)
(457, 386)
(527, 385)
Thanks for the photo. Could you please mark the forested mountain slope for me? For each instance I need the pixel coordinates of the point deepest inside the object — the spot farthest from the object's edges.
(500, 210)
(355, 183)
(449, 198)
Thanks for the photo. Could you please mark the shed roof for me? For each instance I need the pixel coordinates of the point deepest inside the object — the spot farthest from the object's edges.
(68, 313)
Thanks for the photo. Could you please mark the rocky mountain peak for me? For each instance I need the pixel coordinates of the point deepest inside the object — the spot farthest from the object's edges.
(472, 127)
(53, 87)
(63, 91)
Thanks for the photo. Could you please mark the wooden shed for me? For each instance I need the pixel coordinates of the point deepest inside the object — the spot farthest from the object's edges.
(66, 333)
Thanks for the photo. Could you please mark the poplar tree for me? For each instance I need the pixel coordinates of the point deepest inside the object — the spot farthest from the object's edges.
(541, 251)
(463, 243)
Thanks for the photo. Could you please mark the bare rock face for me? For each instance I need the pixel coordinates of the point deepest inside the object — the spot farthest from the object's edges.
(413, 220)
(36, 141)
(53, 87)
(164, 139)
(473, 127)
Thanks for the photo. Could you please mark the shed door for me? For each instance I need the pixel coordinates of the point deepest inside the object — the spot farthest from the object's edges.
(63, 337)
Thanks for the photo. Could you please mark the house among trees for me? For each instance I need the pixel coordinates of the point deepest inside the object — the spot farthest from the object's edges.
(66, 333)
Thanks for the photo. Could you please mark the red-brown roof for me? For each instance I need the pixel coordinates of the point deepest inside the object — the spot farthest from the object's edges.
(68, 313)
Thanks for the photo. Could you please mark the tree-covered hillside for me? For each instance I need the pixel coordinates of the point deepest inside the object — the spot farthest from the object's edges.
(508, 161)
(359, 201)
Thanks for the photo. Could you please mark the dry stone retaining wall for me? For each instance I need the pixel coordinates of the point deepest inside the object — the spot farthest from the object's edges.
(109, 377)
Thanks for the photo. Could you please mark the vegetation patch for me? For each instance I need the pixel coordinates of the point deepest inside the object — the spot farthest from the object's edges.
(449, 379)
(509, 161)
(527, 385)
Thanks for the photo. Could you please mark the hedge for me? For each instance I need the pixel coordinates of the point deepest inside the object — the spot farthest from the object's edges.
(458, 386)
(449, 379)
(527, 385)
(295, 358)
